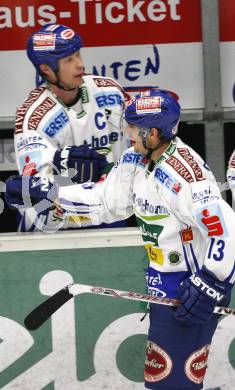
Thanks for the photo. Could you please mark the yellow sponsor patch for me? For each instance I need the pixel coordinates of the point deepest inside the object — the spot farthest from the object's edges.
(154, 254)
(78, 218)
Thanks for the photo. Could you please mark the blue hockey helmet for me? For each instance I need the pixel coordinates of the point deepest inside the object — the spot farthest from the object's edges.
(157, 108)
(50, 43)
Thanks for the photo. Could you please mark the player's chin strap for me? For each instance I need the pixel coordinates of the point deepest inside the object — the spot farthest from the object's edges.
(143, 133)
(59, 85)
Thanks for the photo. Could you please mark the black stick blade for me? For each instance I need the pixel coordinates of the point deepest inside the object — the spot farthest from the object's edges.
(41, 313)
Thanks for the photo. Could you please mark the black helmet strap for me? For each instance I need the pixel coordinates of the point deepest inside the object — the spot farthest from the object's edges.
(59, 85)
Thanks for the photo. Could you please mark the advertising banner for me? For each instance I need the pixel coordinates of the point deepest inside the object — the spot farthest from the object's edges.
(92, 342)
(138, 43)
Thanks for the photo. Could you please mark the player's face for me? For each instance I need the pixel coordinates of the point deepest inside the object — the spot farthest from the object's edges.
(136, 140)
(71, 69)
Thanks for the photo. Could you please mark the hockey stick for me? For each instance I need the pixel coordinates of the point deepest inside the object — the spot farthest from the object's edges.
(42, 312)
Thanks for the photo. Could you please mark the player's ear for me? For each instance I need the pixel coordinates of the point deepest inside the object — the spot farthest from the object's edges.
(45, 69)
(154, 132)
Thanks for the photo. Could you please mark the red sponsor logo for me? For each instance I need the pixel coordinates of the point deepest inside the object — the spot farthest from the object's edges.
(40, 112)
(196, 365)
(184, 152)
(44, 41)
(212, 223)
(20, 115)
(176, 187)
(148, 104)
(158, 364)
(105, 82)
(144, 160)
(187, 234)
(180, 168)
(67, 34)
(29, 168)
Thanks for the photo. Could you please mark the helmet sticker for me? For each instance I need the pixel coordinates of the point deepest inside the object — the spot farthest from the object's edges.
(148, 105)
(44, 42)
(52, 27)
(156, 108)
(67, 34)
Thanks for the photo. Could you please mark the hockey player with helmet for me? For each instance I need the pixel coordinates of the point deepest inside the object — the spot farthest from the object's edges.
(70, 125)
(187, 228)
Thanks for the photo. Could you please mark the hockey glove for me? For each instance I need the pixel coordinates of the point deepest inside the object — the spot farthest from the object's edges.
(26, 191)
(79, 163)
(199, 294)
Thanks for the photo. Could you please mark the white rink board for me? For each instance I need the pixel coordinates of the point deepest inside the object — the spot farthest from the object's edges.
(180, 69)
(107, 375)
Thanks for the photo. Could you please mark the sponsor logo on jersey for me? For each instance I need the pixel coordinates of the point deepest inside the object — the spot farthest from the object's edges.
(155, 255)
(84, 94)
(154, 280)
(105, 82)
(187, 235)
(168, 180)
(44, 41)
(22, 110)
(179, 167)
(146, 207)
(30, 143)
(149, 233)
(174, 257)
(184, 152)
(40, 112)
(211, 220)
(29, 164)
(56, 123)
(104, 140)
(156, 292)
(107, 99)
(131, 158)
(196, 365)
(147, 105)
(204, 196)
(158, 364)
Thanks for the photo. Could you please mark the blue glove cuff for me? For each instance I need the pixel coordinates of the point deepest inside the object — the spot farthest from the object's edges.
(207, 284)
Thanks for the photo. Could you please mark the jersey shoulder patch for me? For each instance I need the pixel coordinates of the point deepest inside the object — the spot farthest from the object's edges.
(39, 112)
(25, 107)
(191, 161)
(180, 168)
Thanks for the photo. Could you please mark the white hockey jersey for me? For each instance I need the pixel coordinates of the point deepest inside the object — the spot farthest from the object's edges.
(44, 124)
(231, 174)
(183, 219)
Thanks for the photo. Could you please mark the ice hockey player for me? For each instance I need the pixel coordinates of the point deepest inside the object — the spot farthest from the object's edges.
(187, 228)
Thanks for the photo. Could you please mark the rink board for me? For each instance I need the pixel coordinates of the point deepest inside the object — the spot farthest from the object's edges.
(92, 341)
